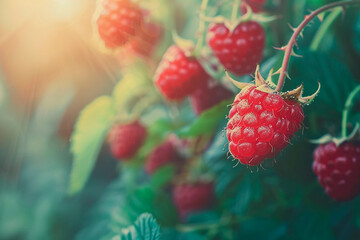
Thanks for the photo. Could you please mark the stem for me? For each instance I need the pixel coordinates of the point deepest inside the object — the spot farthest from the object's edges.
(202, 26)
(296, 33)
(324, 28)
(235, 10)
(348, 105)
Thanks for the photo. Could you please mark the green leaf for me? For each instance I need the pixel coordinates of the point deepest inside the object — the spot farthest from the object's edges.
(90, 131)
(144, 228)
(357, 34)
(146, 199)
(336, 83)
(163, 176)
(131, 87)
(207, 121)
(335, 78)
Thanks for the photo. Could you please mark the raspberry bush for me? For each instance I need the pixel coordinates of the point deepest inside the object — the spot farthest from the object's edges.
(222, 122)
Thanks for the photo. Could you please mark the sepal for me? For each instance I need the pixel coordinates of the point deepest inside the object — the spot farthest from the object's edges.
(186, 45)
(296, 95)
(354, 136)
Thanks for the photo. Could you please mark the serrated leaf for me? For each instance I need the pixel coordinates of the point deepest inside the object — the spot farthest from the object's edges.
(207, 121)
(90, 131)
(335, 78)
(144, 228)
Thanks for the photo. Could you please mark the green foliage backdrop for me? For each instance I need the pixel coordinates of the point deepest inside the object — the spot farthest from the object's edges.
(107, 200)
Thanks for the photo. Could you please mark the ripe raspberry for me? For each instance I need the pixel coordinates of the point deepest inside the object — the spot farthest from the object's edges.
(238, 51)
(125, 140)
(255, 5)
(189, 198)
(149, 36)
(160, 156)
(209, 96)
(338, 169)
(118, 22)
(261, 124)
(179, 75)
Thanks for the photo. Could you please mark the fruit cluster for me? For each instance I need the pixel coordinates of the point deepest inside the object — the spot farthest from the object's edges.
(262, 119)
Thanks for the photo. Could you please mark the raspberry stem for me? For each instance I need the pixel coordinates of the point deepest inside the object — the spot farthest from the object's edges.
(289, 47)
(202, 25)
(348, 105)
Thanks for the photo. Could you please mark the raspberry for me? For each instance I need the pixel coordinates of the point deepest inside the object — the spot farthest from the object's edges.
(125, 140)
(261, 124)
(118, 22)
(238, 51)
(160, 156)
(255, 5)
(338, 169)
(147, 39)
(209, 96)
(179, 75)
(189, 198)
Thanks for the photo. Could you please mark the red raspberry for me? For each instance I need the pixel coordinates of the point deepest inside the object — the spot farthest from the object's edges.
(209, 96)
(160, 156)
(189, 198)
(255, 5)
(179, 75)
(338, 169)
(147, 39)
(261, 124)
(125, 140)
(238, 51)
(118, 22)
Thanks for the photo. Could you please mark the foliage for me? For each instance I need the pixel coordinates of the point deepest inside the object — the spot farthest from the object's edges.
(91, 129)
(110, 199)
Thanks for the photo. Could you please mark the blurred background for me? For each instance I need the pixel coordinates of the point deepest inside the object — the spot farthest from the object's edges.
(50, 69)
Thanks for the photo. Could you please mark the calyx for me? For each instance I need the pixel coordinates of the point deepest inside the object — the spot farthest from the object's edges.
(269, 86)
(353, 136)
(248, 16)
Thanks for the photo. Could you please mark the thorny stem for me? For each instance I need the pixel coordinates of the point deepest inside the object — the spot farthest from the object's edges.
(235, 10)
(348, 105)
(288, 48)
(202, 26)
